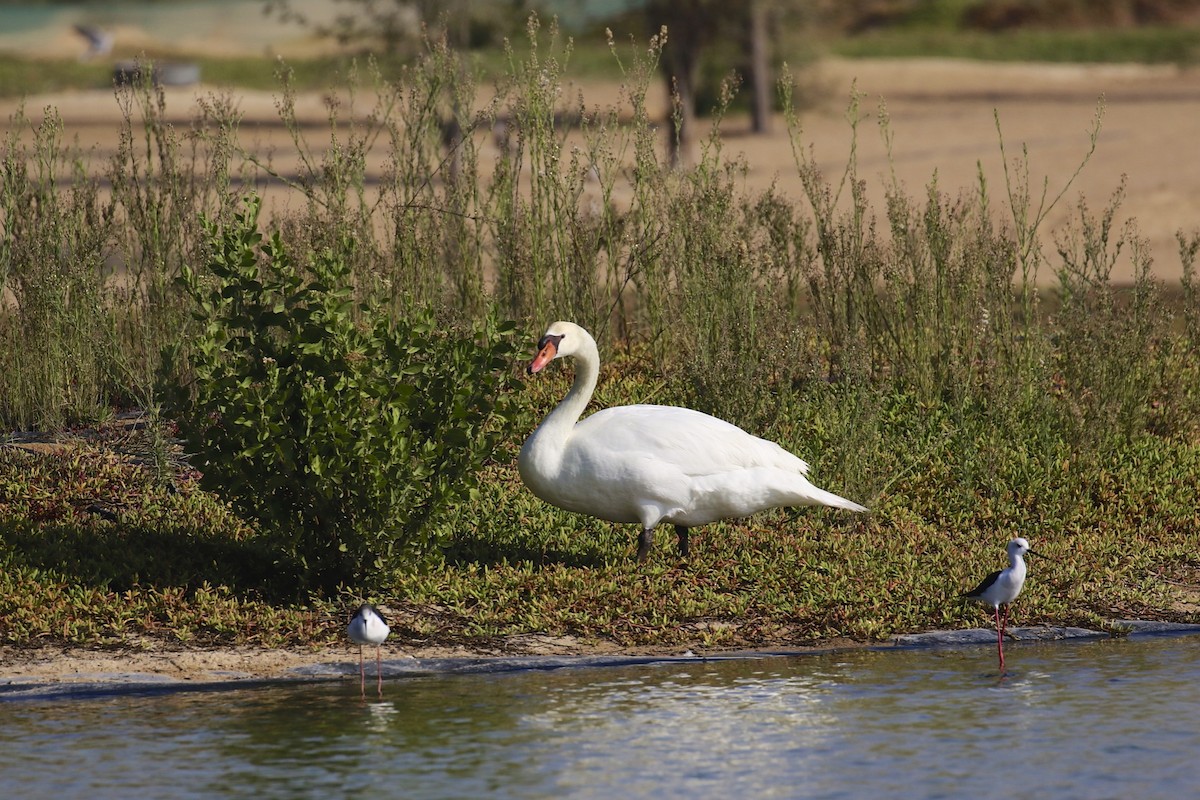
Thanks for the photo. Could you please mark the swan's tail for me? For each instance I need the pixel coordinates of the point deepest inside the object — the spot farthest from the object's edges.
(820, 497)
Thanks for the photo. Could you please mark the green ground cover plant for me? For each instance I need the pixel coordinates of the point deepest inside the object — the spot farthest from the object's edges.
(1177, 44)
(912, 354)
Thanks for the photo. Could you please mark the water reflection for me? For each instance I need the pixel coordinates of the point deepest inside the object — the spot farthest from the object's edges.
(1104, 719)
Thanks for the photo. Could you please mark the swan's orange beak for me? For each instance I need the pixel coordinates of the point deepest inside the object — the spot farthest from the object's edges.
(549, 348)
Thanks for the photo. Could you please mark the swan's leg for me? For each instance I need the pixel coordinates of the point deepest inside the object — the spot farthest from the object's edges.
(682, 532)
(645, 542)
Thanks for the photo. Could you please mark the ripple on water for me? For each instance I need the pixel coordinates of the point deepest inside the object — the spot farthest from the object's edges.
(1094, 719)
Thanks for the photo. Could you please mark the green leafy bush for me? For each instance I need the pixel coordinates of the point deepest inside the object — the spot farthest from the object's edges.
(342, 431)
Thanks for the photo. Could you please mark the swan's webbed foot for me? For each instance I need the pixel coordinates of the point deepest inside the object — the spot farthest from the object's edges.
(645, 542)
(682, 532)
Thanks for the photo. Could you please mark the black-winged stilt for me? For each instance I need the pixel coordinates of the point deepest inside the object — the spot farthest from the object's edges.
(368, 626)
(1002, 587)
(100, 41)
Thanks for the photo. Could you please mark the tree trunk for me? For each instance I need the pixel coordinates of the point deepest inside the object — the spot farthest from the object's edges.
(681, 88)
(691, 26)
(758, 44)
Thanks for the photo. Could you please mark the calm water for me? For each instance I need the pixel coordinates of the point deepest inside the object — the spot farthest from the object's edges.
(1087, 720)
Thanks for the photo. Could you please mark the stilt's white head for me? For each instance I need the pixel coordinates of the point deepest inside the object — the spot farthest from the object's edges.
(1019, 547)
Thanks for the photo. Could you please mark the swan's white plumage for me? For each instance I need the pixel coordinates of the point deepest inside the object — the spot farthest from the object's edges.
(652, 464)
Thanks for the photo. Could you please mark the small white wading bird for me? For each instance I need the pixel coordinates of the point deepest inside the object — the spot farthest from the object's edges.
(652, 464)
(1002, 587)
(368, 626)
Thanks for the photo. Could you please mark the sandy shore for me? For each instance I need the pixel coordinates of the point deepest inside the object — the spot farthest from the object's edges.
(39, 670)
(156, 662)
(51, 664)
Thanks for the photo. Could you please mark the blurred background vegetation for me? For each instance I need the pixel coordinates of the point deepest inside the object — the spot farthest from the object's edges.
(709, 38)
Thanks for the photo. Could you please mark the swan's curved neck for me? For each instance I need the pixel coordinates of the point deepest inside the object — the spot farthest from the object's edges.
(541, 458)
(587, 371)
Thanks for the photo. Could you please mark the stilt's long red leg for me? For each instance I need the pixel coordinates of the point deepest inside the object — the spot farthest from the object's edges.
(362, 673)
(379, 671)
(1000, 638)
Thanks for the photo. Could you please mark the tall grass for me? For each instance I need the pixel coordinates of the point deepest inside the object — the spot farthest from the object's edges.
(533, 205)
(91, 251)
(59, 342)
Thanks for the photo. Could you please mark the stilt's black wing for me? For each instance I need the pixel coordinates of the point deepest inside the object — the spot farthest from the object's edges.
(983, 586)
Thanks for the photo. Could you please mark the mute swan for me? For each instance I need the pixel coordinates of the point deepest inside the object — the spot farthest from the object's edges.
(651, 464)
(1002, 587)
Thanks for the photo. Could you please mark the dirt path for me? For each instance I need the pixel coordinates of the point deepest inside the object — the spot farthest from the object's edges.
(942, 119)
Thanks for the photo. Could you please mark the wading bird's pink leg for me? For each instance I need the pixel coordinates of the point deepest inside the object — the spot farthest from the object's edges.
(1000, 638)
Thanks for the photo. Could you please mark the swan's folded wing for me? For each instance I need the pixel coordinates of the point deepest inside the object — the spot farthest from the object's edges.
(693, 442)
